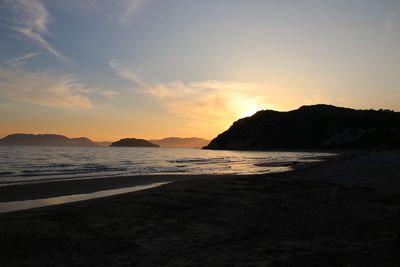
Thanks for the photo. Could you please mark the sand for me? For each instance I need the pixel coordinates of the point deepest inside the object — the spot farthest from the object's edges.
(82, 186)
(343, 212)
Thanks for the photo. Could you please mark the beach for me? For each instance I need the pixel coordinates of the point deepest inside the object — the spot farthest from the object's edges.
(341, 212)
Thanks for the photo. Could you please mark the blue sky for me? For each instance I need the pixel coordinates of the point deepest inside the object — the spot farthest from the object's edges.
(156, 68)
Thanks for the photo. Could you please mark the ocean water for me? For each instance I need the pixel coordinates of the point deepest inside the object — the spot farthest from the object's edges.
(28, 164)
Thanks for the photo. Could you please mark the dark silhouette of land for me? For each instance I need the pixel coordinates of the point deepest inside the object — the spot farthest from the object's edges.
(340, 213)
(133, 142)
(45, 140)
(313, 127)
(178, 142)
(61, 140)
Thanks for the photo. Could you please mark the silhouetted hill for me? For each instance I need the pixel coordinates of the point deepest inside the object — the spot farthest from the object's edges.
(133, 142)
(44, 140)
(191, 142)
(313, 127)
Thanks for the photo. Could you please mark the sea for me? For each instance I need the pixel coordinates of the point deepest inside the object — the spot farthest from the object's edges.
(33, 164)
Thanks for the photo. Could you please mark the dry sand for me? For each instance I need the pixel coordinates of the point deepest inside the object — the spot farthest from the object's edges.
(343, 212)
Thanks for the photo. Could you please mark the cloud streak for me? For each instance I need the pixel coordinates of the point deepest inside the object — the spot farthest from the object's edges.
(29, 19)
(25, 57)
(208, 101)
(127, 74)
(130, 9)
(389, 26)
(119, 11)
(41, 89)
(203, 102)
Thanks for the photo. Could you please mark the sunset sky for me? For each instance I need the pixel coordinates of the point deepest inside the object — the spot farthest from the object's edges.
(157, 68)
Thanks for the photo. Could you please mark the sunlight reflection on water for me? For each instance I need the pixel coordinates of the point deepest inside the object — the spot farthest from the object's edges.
(34, 164)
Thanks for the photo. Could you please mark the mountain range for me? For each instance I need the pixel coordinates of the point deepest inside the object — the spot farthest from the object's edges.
(45, 140)
(309, 127)
(61, 140)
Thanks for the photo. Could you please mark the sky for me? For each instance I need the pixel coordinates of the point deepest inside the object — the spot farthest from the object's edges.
(156, 68)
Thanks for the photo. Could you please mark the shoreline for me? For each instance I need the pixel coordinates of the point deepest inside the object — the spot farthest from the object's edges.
(82, 186)
(340, 212)
(19, 205)
(57, 188)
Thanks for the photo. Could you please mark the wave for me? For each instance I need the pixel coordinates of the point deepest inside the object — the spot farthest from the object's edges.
(201, 160)
(36, 164)
(6, 173)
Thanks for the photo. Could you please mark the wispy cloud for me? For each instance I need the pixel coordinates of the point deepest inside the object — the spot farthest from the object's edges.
(43, 89)
(208, 101)
(23, 58)
(29, 19)
(129, 10)
(389, 26)
(127, 74)
(109, 93)
(202, 102)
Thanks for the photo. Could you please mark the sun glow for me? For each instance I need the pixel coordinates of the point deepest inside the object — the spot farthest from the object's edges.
(249, 108)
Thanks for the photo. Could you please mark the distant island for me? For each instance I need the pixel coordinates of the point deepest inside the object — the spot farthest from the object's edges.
(313, 127)
(133, 142)
(45, 140)
(22, 139)
(178, 142)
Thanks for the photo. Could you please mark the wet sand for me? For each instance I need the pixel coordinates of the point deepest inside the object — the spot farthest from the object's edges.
(343, 212)
(82, 186)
